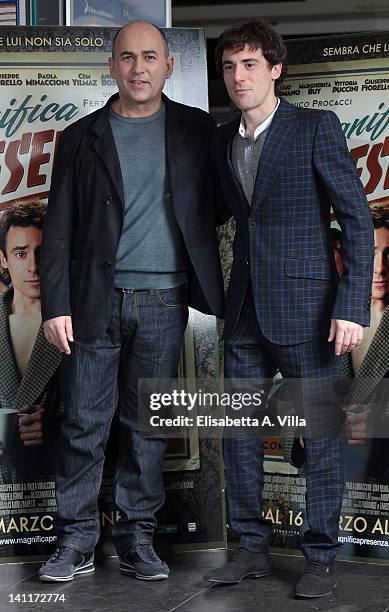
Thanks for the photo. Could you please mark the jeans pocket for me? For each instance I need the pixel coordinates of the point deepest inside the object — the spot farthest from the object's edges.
(174, 297)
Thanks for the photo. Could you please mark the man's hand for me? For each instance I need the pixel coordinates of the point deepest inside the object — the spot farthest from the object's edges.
(30, 425)
(356, 426)
(59, 331)
(347, 335)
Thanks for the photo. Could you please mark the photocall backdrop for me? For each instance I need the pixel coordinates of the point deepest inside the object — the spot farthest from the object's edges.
(49, 78)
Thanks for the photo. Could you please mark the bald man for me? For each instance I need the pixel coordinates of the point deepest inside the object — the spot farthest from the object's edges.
(128, 244)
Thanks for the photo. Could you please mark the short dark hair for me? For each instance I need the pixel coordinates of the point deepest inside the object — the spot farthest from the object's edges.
(21, 214)
(162, 33)
(380, 216)
(257, 34)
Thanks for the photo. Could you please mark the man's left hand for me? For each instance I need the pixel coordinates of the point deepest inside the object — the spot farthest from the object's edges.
(347, 335)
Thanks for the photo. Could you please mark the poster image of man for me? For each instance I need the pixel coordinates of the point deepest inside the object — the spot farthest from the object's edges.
(28, 388)
(366, 405)
(369, 364)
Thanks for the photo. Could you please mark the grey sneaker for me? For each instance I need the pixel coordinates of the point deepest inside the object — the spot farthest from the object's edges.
(143, 562)
(64, 564)
(243, 564)
(318, 580)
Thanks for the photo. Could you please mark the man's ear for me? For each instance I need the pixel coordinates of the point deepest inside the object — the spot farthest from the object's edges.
(170, 64)
(111, 65)
(276, 71)
(3, 260)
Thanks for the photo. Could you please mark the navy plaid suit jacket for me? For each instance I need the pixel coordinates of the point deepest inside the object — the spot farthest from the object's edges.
(283, 240)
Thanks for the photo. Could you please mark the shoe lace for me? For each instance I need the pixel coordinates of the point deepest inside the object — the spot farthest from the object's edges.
(147, 552)
(58, 553)
(316, 567)
(236, 554)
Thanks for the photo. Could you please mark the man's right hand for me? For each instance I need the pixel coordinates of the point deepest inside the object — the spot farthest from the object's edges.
(30, 424)
(59, 331)
(356, 425)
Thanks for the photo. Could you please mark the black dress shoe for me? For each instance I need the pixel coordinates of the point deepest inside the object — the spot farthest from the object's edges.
(318, 580)
(243, 564)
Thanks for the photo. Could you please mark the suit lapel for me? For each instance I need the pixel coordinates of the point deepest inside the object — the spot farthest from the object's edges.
(279, 137)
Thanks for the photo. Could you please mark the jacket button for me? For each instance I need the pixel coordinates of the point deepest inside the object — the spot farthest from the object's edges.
(108, 200)
(252, 224)
(107, 265)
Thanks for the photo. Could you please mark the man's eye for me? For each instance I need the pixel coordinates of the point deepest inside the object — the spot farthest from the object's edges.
(249, 65)
(150, 57)
(227, 68)
(20, 254)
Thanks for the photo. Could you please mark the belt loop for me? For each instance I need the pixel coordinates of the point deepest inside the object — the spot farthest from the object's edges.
(123, 290)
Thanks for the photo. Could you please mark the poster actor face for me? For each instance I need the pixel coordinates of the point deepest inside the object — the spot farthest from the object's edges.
(380, 286)
(21, 259)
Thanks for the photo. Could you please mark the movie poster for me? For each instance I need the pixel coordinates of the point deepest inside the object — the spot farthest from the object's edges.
(10, 12)
(350, 76)
(117, 12)
(49, 78)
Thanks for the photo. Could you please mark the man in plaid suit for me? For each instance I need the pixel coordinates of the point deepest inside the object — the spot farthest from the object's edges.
(279, 169)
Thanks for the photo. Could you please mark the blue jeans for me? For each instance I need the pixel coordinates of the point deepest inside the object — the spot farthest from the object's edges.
(143, 340)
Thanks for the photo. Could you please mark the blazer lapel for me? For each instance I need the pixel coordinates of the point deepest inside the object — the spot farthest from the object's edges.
(106, 149)
(281, 132)
(9, 374)
(233, 183)
(175, 138)
(43, 363)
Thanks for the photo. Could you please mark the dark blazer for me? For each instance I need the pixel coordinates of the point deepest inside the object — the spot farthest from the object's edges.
(85, 216)
(282, 241)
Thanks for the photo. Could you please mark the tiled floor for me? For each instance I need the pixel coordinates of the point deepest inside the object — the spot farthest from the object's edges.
(361, 588)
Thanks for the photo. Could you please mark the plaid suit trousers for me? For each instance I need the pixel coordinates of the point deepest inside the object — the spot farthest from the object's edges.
(248, 354)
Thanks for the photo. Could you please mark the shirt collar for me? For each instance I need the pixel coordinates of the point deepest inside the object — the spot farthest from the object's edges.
(261, 128)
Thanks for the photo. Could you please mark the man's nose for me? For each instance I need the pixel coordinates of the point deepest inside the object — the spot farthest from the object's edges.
(139, 65)
(379, 265)
(239, 74)
(34, 263)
